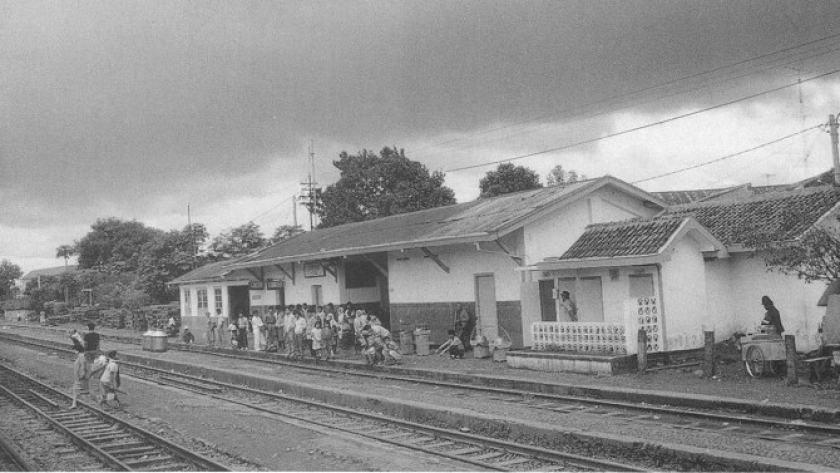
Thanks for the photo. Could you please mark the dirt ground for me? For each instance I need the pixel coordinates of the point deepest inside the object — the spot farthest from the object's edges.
(238, 437)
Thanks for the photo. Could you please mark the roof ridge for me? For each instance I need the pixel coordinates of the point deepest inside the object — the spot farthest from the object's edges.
(769, 196)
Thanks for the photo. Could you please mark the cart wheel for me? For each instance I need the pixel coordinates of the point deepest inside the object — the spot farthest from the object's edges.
(754, 361)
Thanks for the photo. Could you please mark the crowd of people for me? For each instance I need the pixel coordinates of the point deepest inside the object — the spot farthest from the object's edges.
(322, 332)
(92, 362)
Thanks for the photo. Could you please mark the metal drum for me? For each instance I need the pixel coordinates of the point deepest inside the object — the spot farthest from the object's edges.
(158, 341)
(407, 342)
(147, 340)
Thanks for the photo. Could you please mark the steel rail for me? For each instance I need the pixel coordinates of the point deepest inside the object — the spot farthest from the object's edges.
(74, 437)
(10, 450)
(204, 463)
(538, 453)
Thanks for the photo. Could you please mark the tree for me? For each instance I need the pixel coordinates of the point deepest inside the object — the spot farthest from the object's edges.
(8, 273)
(284, 232)
(65, 251)
(508, 178)
(558, 176)
(113, 245)
(812, 256)
(240, 241)
(168, 256)
(373, 186)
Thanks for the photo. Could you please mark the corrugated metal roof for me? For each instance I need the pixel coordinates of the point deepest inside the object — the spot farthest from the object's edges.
(631, 238)
(770, 212)
(688, 196)
(477, 220)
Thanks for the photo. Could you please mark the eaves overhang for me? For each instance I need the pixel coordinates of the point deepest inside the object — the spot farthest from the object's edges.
(337, 253)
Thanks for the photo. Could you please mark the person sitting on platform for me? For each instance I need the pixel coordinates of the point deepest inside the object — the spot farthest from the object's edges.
(454, 346)
(187, 337)
(392, 353)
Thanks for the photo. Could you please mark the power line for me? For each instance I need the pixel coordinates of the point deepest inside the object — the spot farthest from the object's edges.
(642, 127)
(627, 103)
(641, 90)
(763, 145)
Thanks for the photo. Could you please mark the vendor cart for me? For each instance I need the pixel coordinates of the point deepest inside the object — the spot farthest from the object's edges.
(763, 351)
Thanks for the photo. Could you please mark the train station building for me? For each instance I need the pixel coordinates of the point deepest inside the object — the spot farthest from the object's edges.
(628, 258)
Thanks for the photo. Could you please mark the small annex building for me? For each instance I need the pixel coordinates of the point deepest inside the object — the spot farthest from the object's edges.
(687, 270)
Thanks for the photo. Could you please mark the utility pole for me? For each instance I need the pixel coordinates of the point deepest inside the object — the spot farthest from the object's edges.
(294, 210)
(832, 129)
(309, 194)
(192, 235)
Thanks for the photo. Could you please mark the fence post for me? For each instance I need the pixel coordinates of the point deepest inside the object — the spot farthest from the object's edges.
(709, 354)
(790, 354)
(642, 351)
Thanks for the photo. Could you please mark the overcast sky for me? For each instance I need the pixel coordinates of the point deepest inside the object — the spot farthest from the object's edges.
(135, 109)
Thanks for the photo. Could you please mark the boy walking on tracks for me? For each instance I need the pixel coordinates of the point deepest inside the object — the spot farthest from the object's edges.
(110, 380)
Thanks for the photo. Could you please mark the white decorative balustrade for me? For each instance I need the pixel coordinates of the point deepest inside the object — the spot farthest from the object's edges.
(580, 337)
(604, 338)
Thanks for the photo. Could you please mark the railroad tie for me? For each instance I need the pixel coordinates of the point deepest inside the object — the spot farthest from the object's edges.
(514, 461)
(397, 435)
(148, 461)
(465, 451)
(488, 456)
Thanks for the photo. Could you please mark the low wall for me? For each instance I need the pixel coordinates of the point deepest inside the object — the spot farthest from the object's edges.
(571, 363)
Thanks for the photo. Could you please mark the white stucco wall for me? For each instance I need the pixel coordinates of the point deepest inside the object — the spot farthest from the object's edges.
(735, 288)
(555, 233)
(419, 279)
(684, 300)
(301, 290)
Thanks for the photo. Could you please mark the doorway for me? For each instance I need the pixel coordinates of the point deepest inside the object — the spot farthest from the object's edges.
(239, 300)
(485, 305)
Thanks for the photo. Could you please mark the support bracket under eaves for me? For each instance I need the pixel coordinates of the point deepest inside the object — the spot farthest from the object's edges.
(434, 258)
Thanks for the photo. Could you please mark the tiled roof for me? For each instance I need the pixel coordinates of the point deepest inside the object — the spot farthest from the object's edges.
(631, 238)
(54, 271)
(769, 212)
(471, 221)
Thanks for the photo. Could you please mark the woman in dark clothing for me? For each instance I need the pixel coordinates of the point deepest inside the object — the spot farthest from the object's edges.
(772, 316)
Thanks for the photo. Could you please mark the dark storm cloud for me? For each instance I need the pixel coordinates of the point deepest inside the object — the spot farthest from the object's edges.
(116, 101)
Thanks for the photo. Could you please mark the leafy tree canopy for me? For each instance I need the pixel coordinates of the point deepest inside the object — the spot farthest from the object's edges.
(284, 232)
(239, 241)
(558, 176)
(8, 273)
(168, 256)
(508, 178)
(813, 256)
(114, 245)
(373, 186)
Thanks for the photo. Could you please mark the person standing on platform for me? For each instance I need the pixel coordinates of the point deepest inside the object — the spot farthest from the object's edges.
(270, 322)
(569, 306)
(258, 328)
(221, 330)
(242, 331)
(211, 329)
(299, 333)
(461, 324)
(289, 330)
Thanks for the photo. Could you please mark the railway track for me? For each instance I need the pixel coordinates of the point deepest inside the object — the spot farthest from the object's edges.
(811, 434)
(88, 438)
(481, 451)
